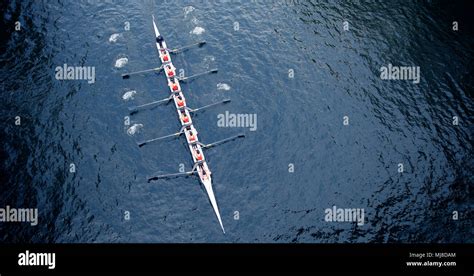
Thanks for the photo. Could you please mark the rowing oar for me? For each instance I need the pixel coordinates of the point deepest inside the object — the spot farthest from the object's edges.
(177, 50)
(134, 109)
(198, 75)
(141, 144)
(209, 105)
(170, 175)
(127, 75)
(222, 141)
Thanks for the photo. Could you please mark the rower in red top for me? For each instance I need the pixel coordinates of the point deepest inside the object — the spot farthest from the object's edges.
(165, 56)
(169, 71)
(185, 118)
(180, 101)
(198, 155)
(192, 137)
(174, 85)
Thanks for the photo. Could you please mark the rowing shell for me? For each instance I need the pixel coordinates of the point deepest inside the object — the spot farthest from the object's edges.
(185, 119)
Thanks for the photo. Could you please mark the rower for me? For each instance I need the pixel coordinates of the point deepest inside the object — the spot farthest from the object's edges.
(180, 101)
(185, 118)
(204, 174)
(159, 40)
(198, 155)
(174, 85)
(170, 71)
(165, 56)
(192, 137)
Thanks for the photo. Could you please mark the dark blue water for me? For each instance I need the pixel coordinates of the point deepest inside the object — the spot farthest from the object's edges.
(300, 121)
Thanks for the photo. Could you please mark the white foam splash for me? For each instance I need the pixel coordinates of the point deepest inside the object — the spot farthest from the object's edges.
(134, 129)
(113, 38)
(223, 86)
(121, 62)
(188, 9)
(129, 95)
(197, 31)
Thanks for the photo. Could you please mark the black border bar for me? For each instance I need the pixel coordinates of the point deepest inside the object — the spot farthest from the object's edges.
(238, 257)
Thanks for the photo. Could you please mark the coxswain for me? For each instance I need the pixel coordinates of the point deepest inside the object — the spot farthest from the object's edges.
(159, 40)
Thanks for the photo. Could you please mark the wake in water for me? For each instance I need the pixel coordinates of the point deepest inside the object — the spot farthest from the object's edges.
(129, 95)
(135, 128)
(187, 10)
(121, 62)
(223, 86)
(114, 37)
(198, 31)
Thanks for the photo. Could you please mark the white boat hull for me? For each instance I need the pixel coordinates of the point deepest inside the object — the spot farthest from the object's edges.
(201, 165)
